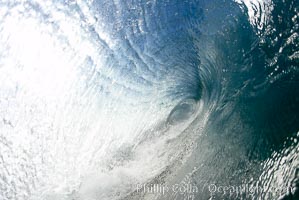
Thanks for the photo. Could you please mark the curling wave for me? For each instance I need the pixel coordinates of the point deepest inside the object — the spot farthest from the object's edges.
(97, 97)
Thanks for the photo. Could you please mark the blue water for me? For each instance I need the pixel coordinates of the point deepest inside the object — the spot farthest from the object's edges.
(107, 99)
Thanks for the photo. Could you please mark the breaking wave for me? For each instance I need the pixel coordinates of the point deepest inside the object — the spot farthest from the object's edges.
(99, 97)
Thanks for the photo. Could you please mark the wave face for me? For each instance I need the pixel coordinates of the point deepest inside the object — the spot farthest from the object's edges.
(98, 98)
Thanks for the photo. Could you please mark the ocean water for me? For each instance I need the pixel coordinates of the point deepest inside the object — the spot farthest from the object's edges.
(147, 99)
